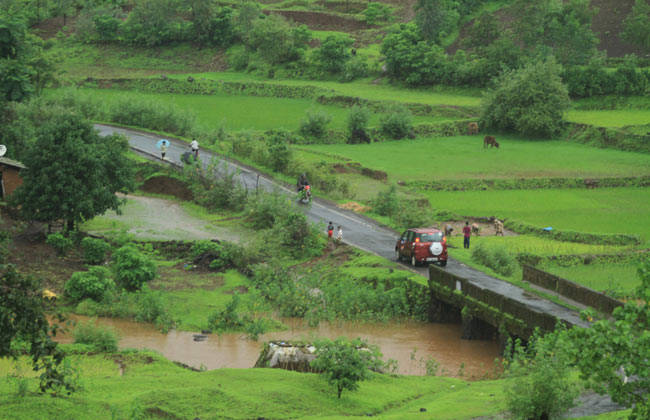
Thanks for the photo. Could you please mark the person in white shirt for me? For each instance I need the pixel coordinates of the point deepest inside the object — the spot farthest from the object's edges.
(195, 148)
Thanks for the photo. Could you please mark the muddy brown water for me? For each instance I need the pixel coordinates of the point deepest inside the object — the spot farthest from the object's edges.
(410, 343)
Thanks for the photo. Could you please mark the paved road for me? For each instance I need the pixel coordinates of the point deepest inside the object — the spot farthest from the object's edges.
(357, 230)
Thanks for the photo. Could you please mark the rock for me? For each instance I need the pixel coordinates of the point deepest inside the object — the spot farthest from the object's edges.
(283, 355)
(199, 337)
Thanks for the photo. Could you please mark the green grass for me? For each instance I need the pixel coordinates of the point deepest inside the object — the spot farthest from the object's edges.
(239, 112)
(464, 157)
(610, 118)
(614, 279)
(154, 387)
(364, 88)
(603, 210)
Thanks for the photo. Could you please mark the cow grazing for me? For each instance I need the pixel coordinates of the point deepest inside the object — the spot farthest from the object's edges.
(476, 230)
(490, 140)
(472, 128)
(448, 230)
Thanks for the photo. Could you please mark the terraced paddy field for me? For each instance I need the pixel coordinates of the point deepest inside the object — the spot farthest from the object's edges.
(238, 112)
(463, 157)
(604, 210)
(610, 118)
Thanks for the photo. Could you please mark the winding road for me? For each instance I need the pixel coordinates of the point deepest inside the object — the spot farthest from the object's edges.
(358, 231)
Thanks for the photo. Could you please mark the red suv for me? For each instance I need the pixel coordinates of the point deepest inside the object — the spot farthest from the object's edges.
(422, 246)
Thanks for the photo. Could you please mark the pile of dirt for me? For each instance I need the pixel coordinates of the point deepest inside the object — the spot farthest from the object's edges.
(355, 207)
(168, 186)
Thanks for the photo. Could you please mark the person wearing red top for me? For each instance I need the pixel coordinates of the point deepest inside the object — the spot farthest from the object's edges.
(467, 232)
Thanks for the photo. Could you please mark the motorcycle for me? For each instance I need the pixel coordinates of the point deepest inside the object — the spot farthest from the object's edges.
(304, 195)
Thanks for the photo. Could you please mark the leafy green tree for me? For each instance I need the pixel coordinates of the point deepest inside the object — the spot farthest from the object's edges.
(23, 316)
(276, 41)
(72, 172)
(23, 70)
(530, 101)
(152, 22)
(564, 27)
(411, 59)
(345, 362)
(202, 14)
(333, 53)
(636, 27)
(397, 122)
(377, 12)
(435, 18)
(540, 387)
(614, 354)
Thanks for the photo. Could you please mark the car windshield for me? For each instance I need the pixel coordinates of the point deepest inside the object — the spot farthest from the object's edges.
(430, 237)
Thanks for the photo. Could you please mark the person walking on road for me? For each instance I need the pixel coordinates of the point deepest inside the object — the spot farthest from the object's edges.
(330, 230)
(163, 149)
(467, 232)
(195, 148)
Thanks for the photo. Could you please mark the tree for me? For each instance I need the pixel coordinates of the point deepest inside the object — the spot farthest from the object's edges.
(152, 22)
(23, 70)
(530, 101)
(435, 18)
(358, 125)
(23, 317)
(345, 362)
(636, 27)
(276, 41)
(333, 53)
(72, 172)
(132, 268)
(540, 387)
(614, 354)
(564, 27)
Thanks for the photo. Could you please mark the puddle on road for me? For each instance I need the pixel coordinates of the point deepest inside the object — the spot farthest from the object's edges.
(410, 343)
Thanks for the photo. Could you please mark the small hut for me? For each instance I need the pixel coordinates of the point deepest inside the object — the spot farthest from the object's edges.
(10, 178)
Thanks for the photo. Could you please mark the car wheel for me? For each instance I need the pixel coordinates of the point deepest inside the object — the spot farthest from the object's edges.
(443, 263)
(413, 261)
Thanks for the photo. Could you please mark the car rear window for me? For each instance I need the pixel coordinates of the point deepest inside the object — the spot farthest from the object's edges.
(430, 237)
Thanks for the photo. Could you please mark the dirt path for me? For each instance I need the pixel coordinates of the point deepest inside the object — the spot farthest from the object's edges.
(159, 219)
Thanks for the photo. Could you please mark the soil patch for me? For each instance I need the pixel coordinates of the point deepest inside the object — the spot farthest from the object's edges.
(354, 206)
(173, 280)
(168, 186)
(239, 289)
(322, 21)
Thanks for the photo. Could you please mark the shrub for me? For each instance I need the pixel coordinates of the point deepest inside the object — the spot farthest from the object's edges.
(387, 203)
(265, 208)
(94, 250)
(530, 101)
(636, 26)
(540, 386)
(495, 257)
(91, 284)
(344, 363)
(377, 12)
(201, 247)
(148, 113)
(358, 125)
(228, 318)
(61, 244)
(333, 53)
(216, 187)
(315, 123)
(102, 339)
(354, 68)
(276, 41)
(279, 153)
(396, 123)
(132, 268)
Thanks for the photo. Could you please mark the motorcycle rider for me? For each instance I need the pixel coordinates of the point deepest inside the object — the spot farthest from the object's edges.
(302, 181)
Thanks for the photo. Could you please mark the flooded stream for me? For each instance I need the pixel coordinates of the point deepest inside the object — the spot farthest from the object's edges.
(410, 343)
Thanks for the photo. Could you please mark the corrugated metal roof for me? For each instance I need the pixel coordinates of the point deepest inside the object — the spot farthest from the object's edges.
(11, 162)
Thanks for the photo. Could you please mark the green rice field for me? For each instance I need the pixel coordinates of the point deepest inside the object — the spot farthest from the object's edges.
(464, 157)
(614, 279)
(603, 210)
(238, 112)
(610, 118)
